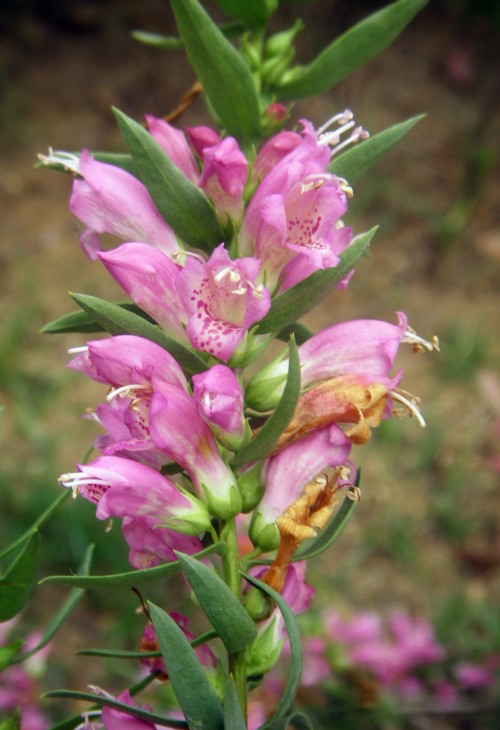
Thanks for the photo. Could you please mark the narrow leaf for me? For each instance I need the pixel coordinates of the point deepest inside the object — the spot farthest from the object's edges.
(61, 616)
(118, 159)
(16, 584)
(290, 306)
(38, 522)
(129, 578)
(295, 649)
(181, 202)
(115, 704)
(193, 691)
(351, 50)
(224, 611)
(267, 437)
(80, 321)
(202, 639)
(298, 330)
(226, 78)
(233, 717)
(329, 534)
(118, 321)
(358, 159)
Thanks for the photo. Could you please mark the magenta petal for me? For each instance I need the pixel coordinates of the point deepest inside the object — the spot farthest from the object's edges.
(111, 200)
(149, 278)
(150, 545)
(202, 137)
(116, 720)
(219, 397)
(174, 143)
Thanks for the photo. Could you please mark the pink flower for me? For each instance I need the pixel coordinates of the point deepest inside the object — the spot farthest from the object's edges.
(222, 300)
(473, 676)
(219, 398)
(225, 172)
(178, 429)
(174, 143)
(117, 720)
(150, 546)
(111, 200)
(124, 488)
(287, 474)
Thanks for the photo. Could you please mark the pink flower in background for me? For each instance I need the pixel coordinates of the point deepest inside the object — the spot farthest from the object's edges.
(117, 720)
(111, 200)
(223, 301)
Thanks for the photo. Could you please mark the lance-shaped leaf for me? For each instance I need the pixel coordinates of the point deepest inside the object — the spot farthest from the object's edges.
(329, 533)
(194, 693)
(81, 321)
(298, 330)
(225, 77)
(130, 577)
(359, 158)
(295, 670)
(117, 705)
(119, 321)
(16, 584)
(351, 50)
(295, 302)
(224, 611)
(181, 202)
(267, 437)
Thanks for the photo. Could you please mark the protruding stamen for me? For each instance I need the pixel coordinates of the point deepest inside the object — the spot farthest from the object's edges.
(418, 343)
(129, 391)
(359, 133)
(180, 257)
(240, 290)
(341, 118)
(333, 137)
(76, 350)
(411, 406)
(68, 160)
(345, 187)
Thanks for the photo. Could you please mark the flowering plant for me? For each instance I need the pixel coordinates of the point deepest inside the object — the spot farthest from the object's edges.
(228, 237)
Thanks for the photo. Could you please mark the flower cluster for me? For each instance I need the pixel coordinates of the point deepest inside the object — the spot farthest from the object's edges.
(178, 460)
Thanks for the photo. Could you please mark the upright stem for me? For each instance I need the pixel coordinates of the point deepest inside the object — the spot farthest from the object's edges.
(232, 575)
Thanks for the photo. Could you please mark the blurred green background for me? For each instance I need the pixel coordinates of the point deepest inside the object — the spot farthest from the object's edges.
(426, 535)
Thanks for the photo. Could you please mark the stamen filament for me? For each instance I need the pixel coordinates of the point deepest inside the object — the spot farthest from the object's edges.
(409, 405)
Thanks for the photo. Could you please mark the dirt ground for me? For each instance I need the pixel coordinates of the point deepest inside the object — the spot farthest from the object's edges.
(427, 531)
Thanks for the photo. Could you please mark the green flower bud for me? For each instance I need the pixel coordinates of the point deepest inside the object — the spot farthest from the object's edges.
(251, 487)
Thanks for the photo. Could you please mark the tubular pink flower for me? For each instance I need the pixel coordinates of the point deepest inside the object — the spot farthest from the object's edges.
(287, 474)
(124, 488)
(219, 398)
(223, 301)
(295, 212)
(174, 143)
(224, 176)
(202, 137)
(150, 280)
(116, 720)
(111, 200)
(177, 429)
(363, 347)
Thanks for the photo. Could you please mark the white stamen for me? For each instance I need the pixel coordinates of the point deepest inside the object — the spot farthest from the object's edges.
(412, 407)
(180, 257)
(75, 350)
(418, 343)
(234, 276)
(359, 133)
(68, 160)
(127, 390)
(341, 118)
(333, 137)
(321, 480)
(240, 290)
(257, 291)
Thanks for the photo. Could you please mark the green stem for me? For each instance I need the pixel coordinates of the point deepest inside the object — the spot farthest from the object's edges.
(232, 575)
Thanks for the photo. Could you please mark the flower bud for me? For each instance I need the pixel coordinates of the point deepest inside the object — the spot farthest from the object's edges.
(251, 487)
(264, 534)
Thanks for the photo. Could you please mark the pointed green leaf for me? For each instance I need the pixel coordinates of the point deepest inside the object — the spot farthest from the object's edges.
(83, 322)
(265, 440)
(298, 330)
(226, 78)
(130, 577)
(295, 671)
(224, 611)
(181, 202)
(290, 306)
(8, 652)
(118, 159)
(115, 704)
(351, 50)
(255, 13)
(359, 158)
(299, 721)
(329, 534)
(233, 717)
(194, 693)
(16, 584)
(118, 321)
